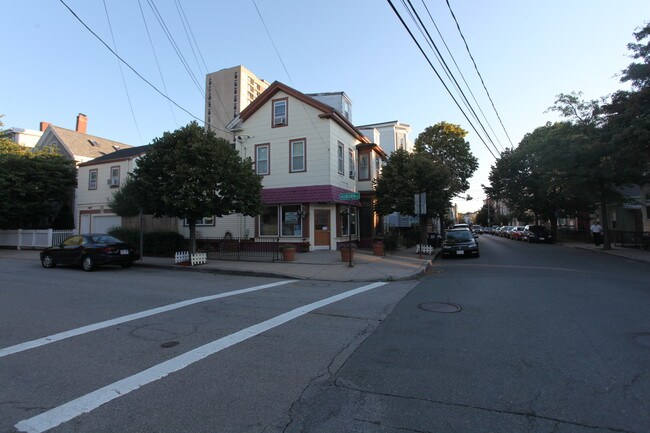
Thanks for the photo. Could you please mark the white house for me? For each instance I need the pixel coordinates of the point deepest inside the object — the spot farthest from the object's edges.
(308, 155)
(24, 137)
(97, 180)
(390, 136)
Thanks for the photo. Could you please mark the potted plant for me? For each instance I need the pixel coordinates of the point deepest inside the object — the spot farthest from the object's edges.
(305, 246)
(288, 252)
(378, 247)
(347, 252)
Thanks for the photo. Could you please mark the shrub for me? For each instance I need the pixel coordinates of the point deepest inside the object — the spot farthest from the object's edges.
(163, 243)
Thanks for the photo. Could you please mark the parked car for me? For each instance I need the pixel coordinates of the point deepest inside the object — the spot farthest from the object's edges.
(535, 233)
(477, 229)
(460, 226)
(504, 232)
(90, 251)
(516, 232)
(459, 242)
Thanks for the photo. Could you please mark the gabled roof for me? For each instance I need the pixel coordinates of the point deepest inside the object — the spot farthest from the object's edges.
(118, 155)
(327, 111)
(84, 145)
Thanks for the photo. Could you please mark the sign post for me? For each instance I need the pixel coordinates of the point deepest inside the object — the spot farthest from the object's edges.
(349, 196)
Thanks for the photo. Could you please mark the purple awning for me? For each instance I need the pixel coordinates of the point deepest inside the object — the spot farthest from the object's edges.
(305, 194)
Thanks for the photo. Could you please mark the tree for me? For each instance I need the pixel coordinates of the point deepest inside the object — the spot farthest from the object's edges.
(192, 174)
(35, 187)
(445, 143)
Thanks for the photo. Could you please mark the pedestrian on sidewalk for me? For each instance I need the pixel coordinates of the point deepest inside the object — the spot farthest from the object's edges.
(597, 233)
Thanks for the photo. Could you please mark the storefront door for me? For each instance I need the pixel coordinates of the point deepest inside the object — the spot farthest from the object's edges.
(322, 228)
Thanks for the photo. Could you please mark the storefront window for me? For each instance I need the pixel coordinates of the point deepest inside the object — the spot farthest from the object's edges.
(291, 222)
(269, 221)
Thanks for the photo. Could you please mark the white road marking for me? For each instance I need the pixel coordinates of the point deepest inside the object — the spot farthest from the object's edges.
(105, 324)
(70, 410)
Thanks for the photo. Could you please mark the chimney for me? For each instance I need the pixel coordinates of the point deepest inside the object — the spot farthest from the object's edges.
(82, 122)
(44, 126)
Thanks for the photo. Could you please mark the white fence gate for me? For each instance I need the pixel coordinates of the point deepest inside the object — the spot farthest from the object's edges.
(33, 238)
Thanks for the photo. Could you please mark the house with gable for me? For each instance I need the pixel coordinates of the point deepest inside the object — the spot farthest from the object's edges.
(308, 154)
(77, 145)
(97, 181)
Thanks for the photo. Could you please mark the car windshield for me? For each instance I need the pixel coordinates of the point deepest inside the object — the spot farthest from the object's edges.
(459, 236)
(103, 239)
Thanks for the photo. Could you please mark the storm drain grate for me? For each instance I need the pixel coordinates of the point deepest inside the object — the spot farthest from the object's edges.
(440, 307)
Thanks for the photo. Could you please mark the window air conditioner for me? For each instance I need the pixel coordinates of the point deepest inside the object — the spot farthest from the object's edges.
(352, 173)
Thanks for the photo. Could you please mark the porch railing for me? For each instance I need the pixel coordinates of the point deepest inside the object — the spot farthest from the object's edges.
(231, 248)
(33, 238)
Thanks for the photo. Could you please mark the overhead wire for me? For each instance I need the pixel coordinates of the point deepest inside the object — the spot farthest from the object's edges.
(126, 89)
(477, 71)
(439, 77)
(162, 78)
(425, 33)
(442, 38)
(174, 45)
(131, 67)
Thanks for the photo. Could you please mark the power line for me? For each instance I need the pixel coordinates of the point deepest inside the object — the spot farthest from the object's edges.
(174, 45)
(272, 43)
(477, 71)
(461, 74)
(126, 89)
(131, 68)
(446, 68)
(162, 78)
(184, 19)
(439, 77)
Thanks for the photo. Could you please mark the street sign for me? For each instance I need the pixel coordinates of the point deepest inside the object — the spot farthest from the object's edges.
(349, 196)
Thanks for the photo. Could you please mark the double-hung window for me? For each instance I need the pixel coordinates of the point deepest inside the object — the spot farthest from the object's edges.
(297, 155)
(262, 159)
(364, 166)
(341, 159)
(280, 112)
(92, 179)
(114, 180)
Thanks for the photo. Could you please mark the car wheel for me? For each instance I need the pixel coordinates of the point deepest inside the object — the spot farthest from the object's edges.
(47, 261)
(127, 265)
(478, 254)
(88, 264)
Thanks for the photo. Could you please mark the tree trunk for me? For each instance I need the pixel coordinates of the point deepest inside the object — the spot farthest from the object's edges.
(192, 226)
(554, 227)
(423, 229)
(604, 219)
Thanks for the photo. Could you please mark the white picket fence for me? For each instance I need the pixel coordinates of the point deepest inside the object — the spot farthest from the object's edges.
(194, 259)
(424, 249)
(33, 238)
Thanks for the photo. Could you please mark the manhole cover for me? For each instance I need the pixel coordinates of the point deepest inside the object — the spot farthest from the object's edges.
(169, 344)
(642, 339)
(440, 307)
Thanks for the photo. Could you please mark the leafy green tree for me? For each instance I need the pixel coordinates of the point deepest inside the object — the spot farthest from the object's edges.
(445, 143)
(35, 187)
(192, 174)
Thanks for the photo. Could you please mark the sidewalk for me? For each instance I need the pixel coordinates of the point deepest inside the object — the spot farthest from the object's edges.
(404, 264)
(327, 265)
(635, 254)
(318, 265)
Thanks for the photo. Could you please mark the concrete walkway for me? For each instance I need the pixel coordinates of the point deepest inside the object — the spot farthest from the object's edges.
(319, 265)
(327, 265)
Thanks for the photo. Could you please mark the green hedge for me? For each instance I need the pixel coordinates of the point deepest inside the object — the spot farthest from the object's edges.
(155, 243)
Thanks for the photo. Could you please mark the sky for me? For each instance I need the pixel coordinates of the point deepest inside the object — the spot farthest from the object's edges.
(526, 51)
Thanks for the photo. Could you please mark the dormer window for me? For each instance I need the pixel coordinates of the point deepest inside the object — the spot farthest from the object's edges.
(280, 112)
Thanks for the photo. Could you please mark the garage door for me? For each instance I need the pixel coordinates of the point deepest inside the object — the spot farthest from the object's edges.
(103, 223)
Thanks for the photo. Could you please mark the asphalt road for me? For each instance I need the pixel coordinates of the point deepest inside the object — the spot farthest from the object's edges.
(149, 350)
(548, 339)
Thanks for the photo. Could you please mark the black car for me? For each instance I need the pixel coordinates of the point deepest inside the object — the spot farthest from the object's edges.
(533, 233)
(459, 242)
(89, 251)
